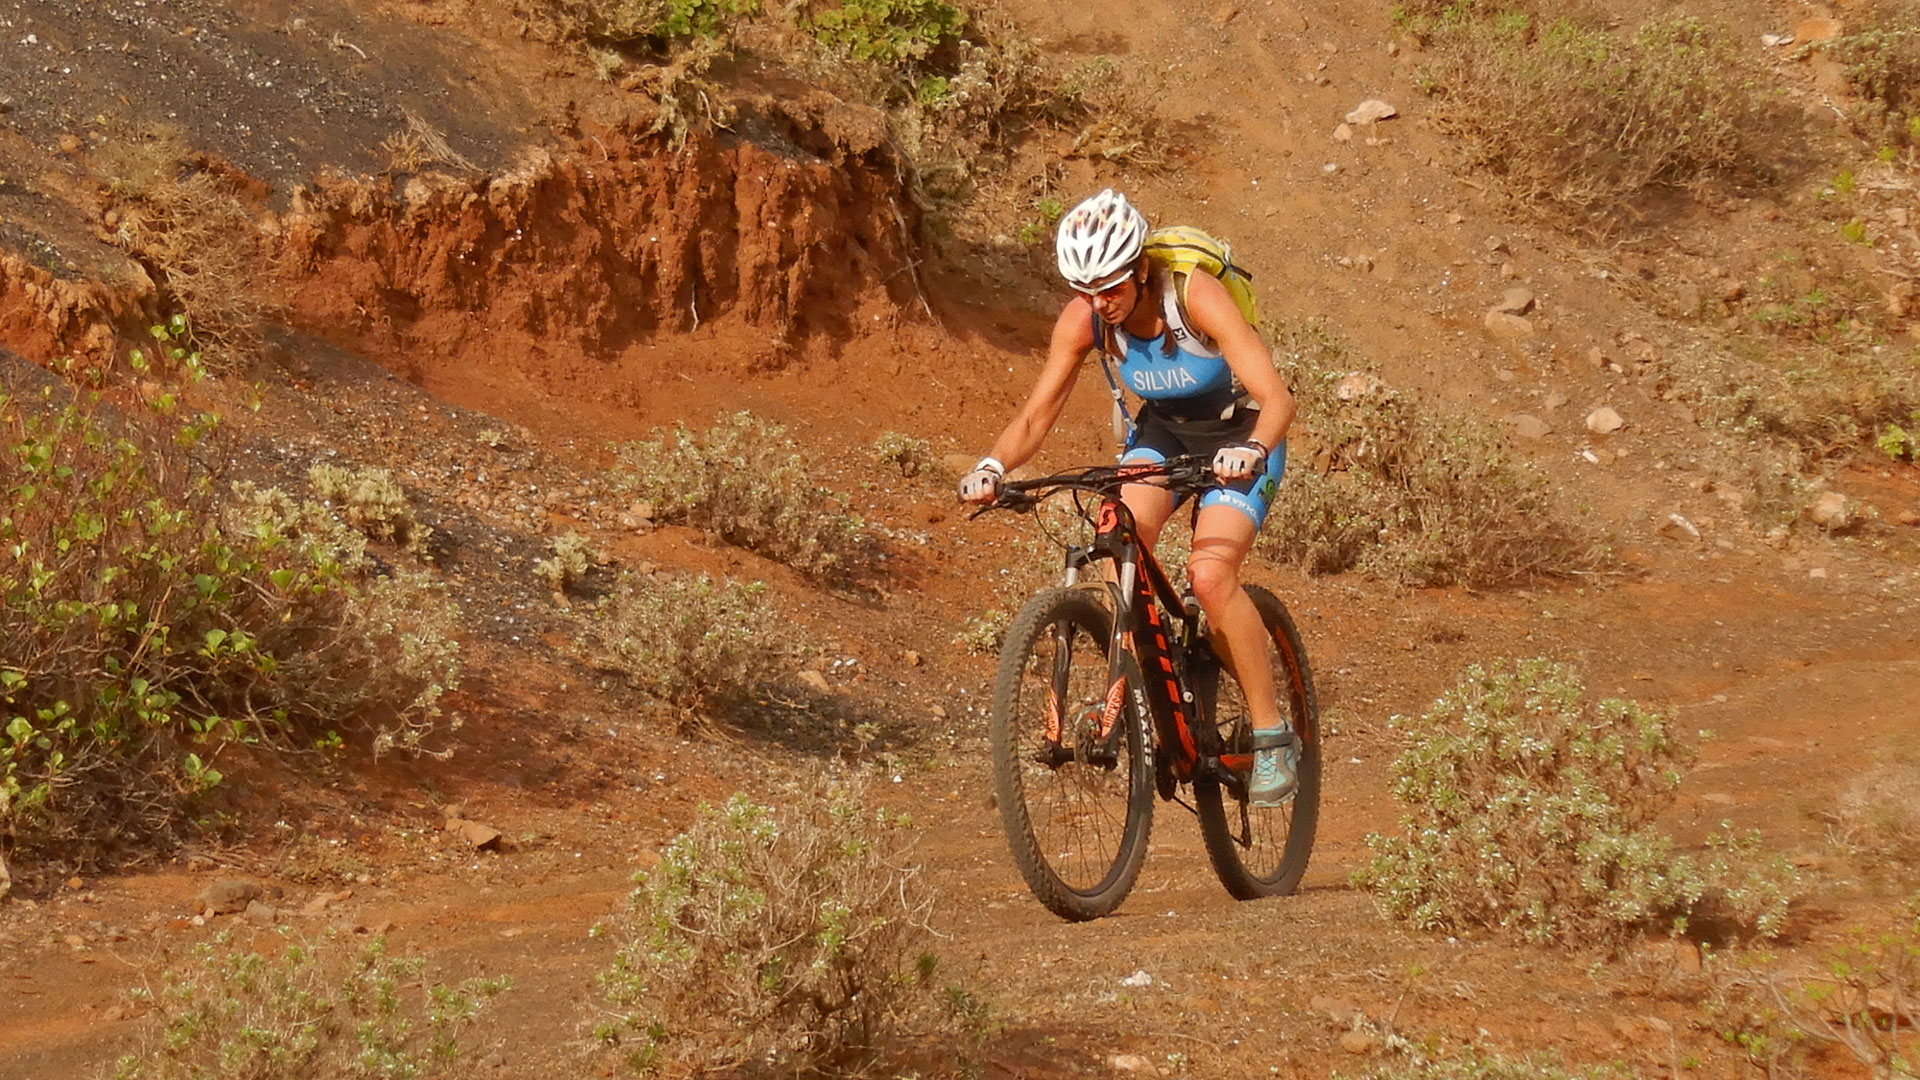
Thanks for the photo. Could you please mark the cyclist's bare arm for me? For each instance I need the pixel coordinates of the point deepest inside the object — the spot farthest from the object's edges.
(1213, 313)
(1072, 340)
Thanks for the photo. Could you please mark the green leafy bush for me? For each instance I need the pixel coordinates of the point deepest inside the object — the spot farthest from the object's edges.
(635, 23)
(153, 615)
(1406, 494)
(1529, 812)
(697, 642)
(310, 1010)
(886, 31)
(745, 480)
(1578, 120)
(791, 938)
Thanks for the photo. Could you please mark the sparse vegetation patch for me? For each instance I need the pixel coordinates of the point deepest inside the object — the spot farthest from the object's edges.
(1578, 120)
(1529, 811)
(745, 480)
(154, 616)
(698, 642)
(794, 938)
(1406, 494)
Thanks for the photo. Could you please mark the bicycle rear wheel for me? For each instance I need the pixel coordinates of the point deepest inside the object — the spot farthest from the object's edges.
(1264, 852)
(1069, 764)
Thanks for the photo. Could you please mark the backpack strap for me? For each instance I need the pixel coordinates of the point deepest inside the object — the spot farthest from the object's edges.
(1102, 343)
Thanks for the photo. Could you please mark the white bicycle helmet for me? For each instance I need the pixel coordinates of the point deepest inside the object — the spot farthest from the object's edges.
(1098, 239)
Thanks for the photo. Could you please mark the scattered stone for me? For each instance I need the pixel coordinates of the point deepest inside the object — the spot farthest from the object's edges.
(1516, 301)
(1904, 517)
(1502, 324)
(1225, 14)
(1528, 426)
(76, 884)
(1455, 217)
(1371, 111)
(1830, 511)
(260, 914)
(1774, 41)
(1508, 271)
(1818, 573)
(1677, 527)
(70, 144)
(1133, 1063)
(1338, 1010)
(75, 942)
(939, 711)
(1818, 28)
(912, 658)
(477, 836)
(230, 895)
(1343, 133)
(816, 681)
(1357, 385)
(1554, 400)
(1604, 421)
(1596, 357)
(1138, 980)
(320, 900)
(6, 105)
(1357, 1042)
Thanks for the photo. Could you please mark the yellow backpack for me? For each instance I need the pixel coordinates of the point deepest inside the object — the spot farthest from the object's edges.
(1182, 249)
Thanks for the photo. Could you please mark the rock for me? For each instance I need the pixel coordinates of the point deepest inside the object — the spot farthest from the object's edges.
(1371, 111)
(76, 884)
(1133, 1063)
(816, 682)
(319, 902)
(230, 895)
(1686, 956)
(1455, 217)
(477, 836)
(1357, 385)
(1343, 133)
(1818, 28)
(1904, 517)
(1900, 299)
(1504, 325)
(1530, 427)
(1508, 272)
(1225, 14)
(1138, 980)
(939, 711)
(1677, 527)
(1774, 41)
(1554, 400)
(1516, 301)
(912, 658)
(1604, 421)
(1830, 511)
(1357, 1042)
(260, 913)
(70, 144)
(1596, 357)
(1338, 1010)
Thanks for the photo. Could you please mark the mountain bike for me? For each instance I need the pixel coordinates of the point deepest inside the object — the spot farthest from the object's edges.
(1109, 693)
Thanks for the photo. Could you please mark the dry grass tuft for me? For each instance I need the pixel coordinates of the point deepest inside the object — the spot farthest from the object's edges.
(1579, 122)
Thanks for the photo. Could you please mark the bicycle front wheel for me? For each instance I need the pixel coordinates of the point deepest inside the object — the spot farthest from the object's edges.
(1263, 852)
(1069, 761)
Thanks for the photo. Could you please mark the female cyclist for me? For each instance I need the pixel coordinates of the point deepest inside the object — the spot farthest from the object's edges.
(1207, 387)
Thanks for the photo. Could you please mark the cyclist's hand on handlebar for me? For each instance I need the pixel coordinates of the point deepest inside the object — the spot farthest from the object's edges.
(982, 485)
(1239, 461)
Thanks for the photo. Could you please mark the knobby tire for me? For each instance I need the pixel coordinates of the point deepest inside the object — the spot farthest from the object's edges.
(1260, 853)
(1076, 819)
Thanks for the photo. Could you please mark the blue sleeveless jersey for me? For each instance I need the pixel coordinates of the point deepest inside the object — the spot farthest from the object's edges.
(1146, 370)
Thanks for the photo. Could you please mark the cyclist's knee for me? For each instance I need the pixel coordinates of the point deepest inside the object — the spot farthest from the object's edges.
(1215, 580)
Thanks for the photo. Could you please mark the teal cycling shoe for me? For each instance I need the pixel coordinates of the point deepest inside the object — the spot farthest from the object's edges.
(1276, 762)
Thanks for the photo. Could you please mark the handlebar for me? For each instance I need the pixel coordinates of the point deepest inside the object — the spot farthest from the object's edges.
(1188, 474)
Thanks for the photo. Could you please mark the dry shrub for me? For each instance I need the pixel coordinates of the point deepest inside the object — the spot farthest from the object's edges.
(1825, 402)
(308, 1009)
(787, 939)
(152, 616)
(1882, 61)
(744, 479)
(643, 24)
(1406, 494)
(371, 500)
(573, 554)
(1877, 817)
(184, 221)
(700, 643)
(911, 456)
(1529, 812)
(1473, 1063)
(1861, 995)
(1581, 122)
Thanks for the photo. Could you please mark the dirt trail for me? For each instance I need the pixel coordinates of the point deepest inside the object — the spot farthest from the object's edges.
(530, 308)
